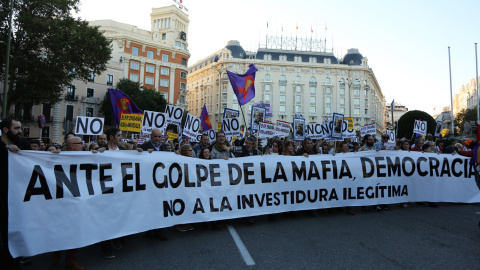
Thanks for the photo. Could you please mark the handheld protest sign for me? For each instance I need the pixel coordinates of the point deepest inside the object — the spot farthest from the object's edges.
(336, 131)
(257, 116)
(438, 129)
(89, 125)
(298, 129)
(420, 127)
(230, 113)
(282, 128)
(174, 115)
(153, 120)
(390, 145)
(191, 128)
(266, 130)
(231, 127)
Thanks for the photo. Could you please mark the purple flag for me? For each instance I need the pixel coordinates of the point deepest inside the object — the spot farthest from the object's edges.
(243, 85)
(205, 119)
(121, 103)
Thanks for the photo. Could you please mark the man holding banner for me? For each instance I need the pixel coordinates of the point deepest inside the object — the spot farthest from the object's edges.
(155, 143)
(114, 137)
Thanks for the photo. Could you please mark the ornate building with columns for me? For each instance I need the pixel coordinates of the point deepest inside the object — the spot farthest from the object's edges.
(316, 84)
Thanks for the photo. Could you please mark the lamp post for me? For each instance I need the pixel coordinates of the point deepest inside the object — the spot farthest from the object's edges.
(220, 71)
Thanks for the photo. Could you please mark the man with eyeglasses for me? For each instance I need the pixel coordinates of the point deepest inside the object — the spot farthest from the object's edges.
(381, 145)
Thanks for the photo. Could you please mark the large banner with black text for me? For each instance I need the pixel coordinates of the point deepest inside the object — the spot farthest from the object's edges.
(74, 199)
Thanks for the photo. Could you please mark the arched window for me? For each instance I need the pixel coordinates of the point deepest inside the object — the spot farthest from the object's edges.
(283, 78)
(312, 79)
(267, 76)
(342, 82)
(356, 83)
(298, 79)
(327, 80)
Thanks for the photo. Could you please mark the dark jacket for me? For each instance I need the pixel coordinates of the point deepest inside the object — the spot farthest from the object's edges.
(149, 145)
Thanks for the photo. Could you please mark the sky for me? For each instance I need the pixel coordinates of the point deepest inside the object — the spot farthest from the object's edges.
(406, 42)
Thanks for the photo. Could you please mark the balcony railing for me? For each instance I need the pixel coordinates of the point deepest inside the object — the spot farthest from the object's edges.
(312, 83)
(91, 100)
(71, 97)
(282, 81)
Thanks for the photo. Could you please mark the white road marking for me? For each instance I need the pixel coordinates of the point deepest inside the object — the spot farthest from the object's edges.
(241, 247)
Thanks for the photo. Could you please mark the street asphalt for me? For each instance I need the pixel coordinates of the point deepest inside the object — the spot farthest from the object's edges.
(418, 237)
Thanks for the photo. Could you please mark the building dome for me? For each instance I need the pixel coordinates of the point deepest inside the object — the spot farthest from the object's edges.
(236, 49)
(353, 58)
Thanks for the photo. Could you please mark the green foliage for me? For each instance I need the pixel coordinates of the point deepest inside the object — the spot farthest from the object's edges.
(406, 122)
(145, 99)
(465, 115)
(47, 44)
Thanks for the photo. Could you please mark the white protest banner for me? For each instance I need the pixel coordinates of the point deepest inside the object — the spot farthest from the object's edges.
(57, 200)
(317, 131)
(153, 120)
(191, 128)
(89, 125)
(173, 114)
(391, 139)
(282, 128)
(231, 127)
(368, 129)
(420, 127)
(266, 130)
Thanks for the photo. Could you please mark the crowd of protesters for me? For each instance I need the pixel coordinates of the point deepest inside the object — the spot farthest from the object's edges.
(220, 148)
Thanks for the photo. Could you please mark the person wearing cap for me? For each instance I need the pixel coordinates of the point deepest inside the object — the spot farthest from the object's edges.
(467, 150)
(450, 148)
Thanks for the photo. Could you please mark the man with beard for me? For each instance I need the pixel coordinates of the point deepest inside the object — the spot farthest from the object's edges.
(102, 140)
(307, 148)
(204, 141)
(368, 146)
(11, 141)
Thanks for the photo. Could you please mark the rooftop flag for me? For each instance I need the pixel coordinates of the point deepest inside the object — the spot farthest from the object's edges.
(205, 119)
(121, 103)
(243, 85)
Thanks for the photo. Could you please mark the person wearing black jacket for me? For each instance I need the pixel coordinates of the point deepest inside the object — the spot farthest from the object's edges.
(114, 137)
(307, 148)
(155, 143)
(10, 141)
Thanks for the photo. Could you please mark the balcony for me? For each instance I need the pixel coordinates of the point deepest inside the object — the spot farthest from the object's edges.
(92, 100)
(313, 114)
(312, 83)
(71, 97)
(327, 83)
(225, 79)
(282, 113)
(282, 81)
(298, 82)
(267, 81)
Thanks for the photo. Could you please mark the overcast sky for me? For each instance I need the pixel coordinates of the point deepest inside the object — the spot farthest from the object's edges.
(406, 42)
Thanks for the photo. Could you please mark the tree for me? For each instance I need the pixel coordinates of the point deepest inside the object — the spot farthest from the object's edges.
(465, 115)
(48, 49)
(144, 98)
(406, 122)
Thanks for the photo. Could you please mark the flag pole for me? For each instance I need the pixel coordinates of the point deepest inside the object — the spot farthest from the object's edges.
(476, 77)
(451, 98)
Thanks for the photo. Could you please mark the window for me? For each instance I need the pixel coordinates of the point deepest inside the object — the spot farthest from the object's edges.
(164, 57)
(356, 83)
(134, 50)
(267, 97)
(312, 109)
(134, 65)
(298, 79)
(164, 95)
(328, 90)
(184, 61)
(69, 113)
(327, 110)
(356, 101)
(298, 108)
(150, 68)
(356, 92)
(282, 108)
(283, 79)
(342, 111)
(149, 54)
(342, 101)
(365, 92)
(342, 82)
(89, 112)
(298, 69)
(183, 75)
(178, 44)
(327, 80)
(183, 86)
(282, 98)
(224, 86)
(312, 90)
(267, 87)
(109, 79)
(164, 36)
(267, 77)
(298, 98)
(312, 100)
(235, 106)
(90, 92)
(356, 111)
(149, 80)
(342, 91)
(164, 83)
(134, 77)
(91, 76)
(164, 71)
(298, 88)
(283, 88)
(328, 100)
(313, 80)
(70, 92)
(224, 96)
